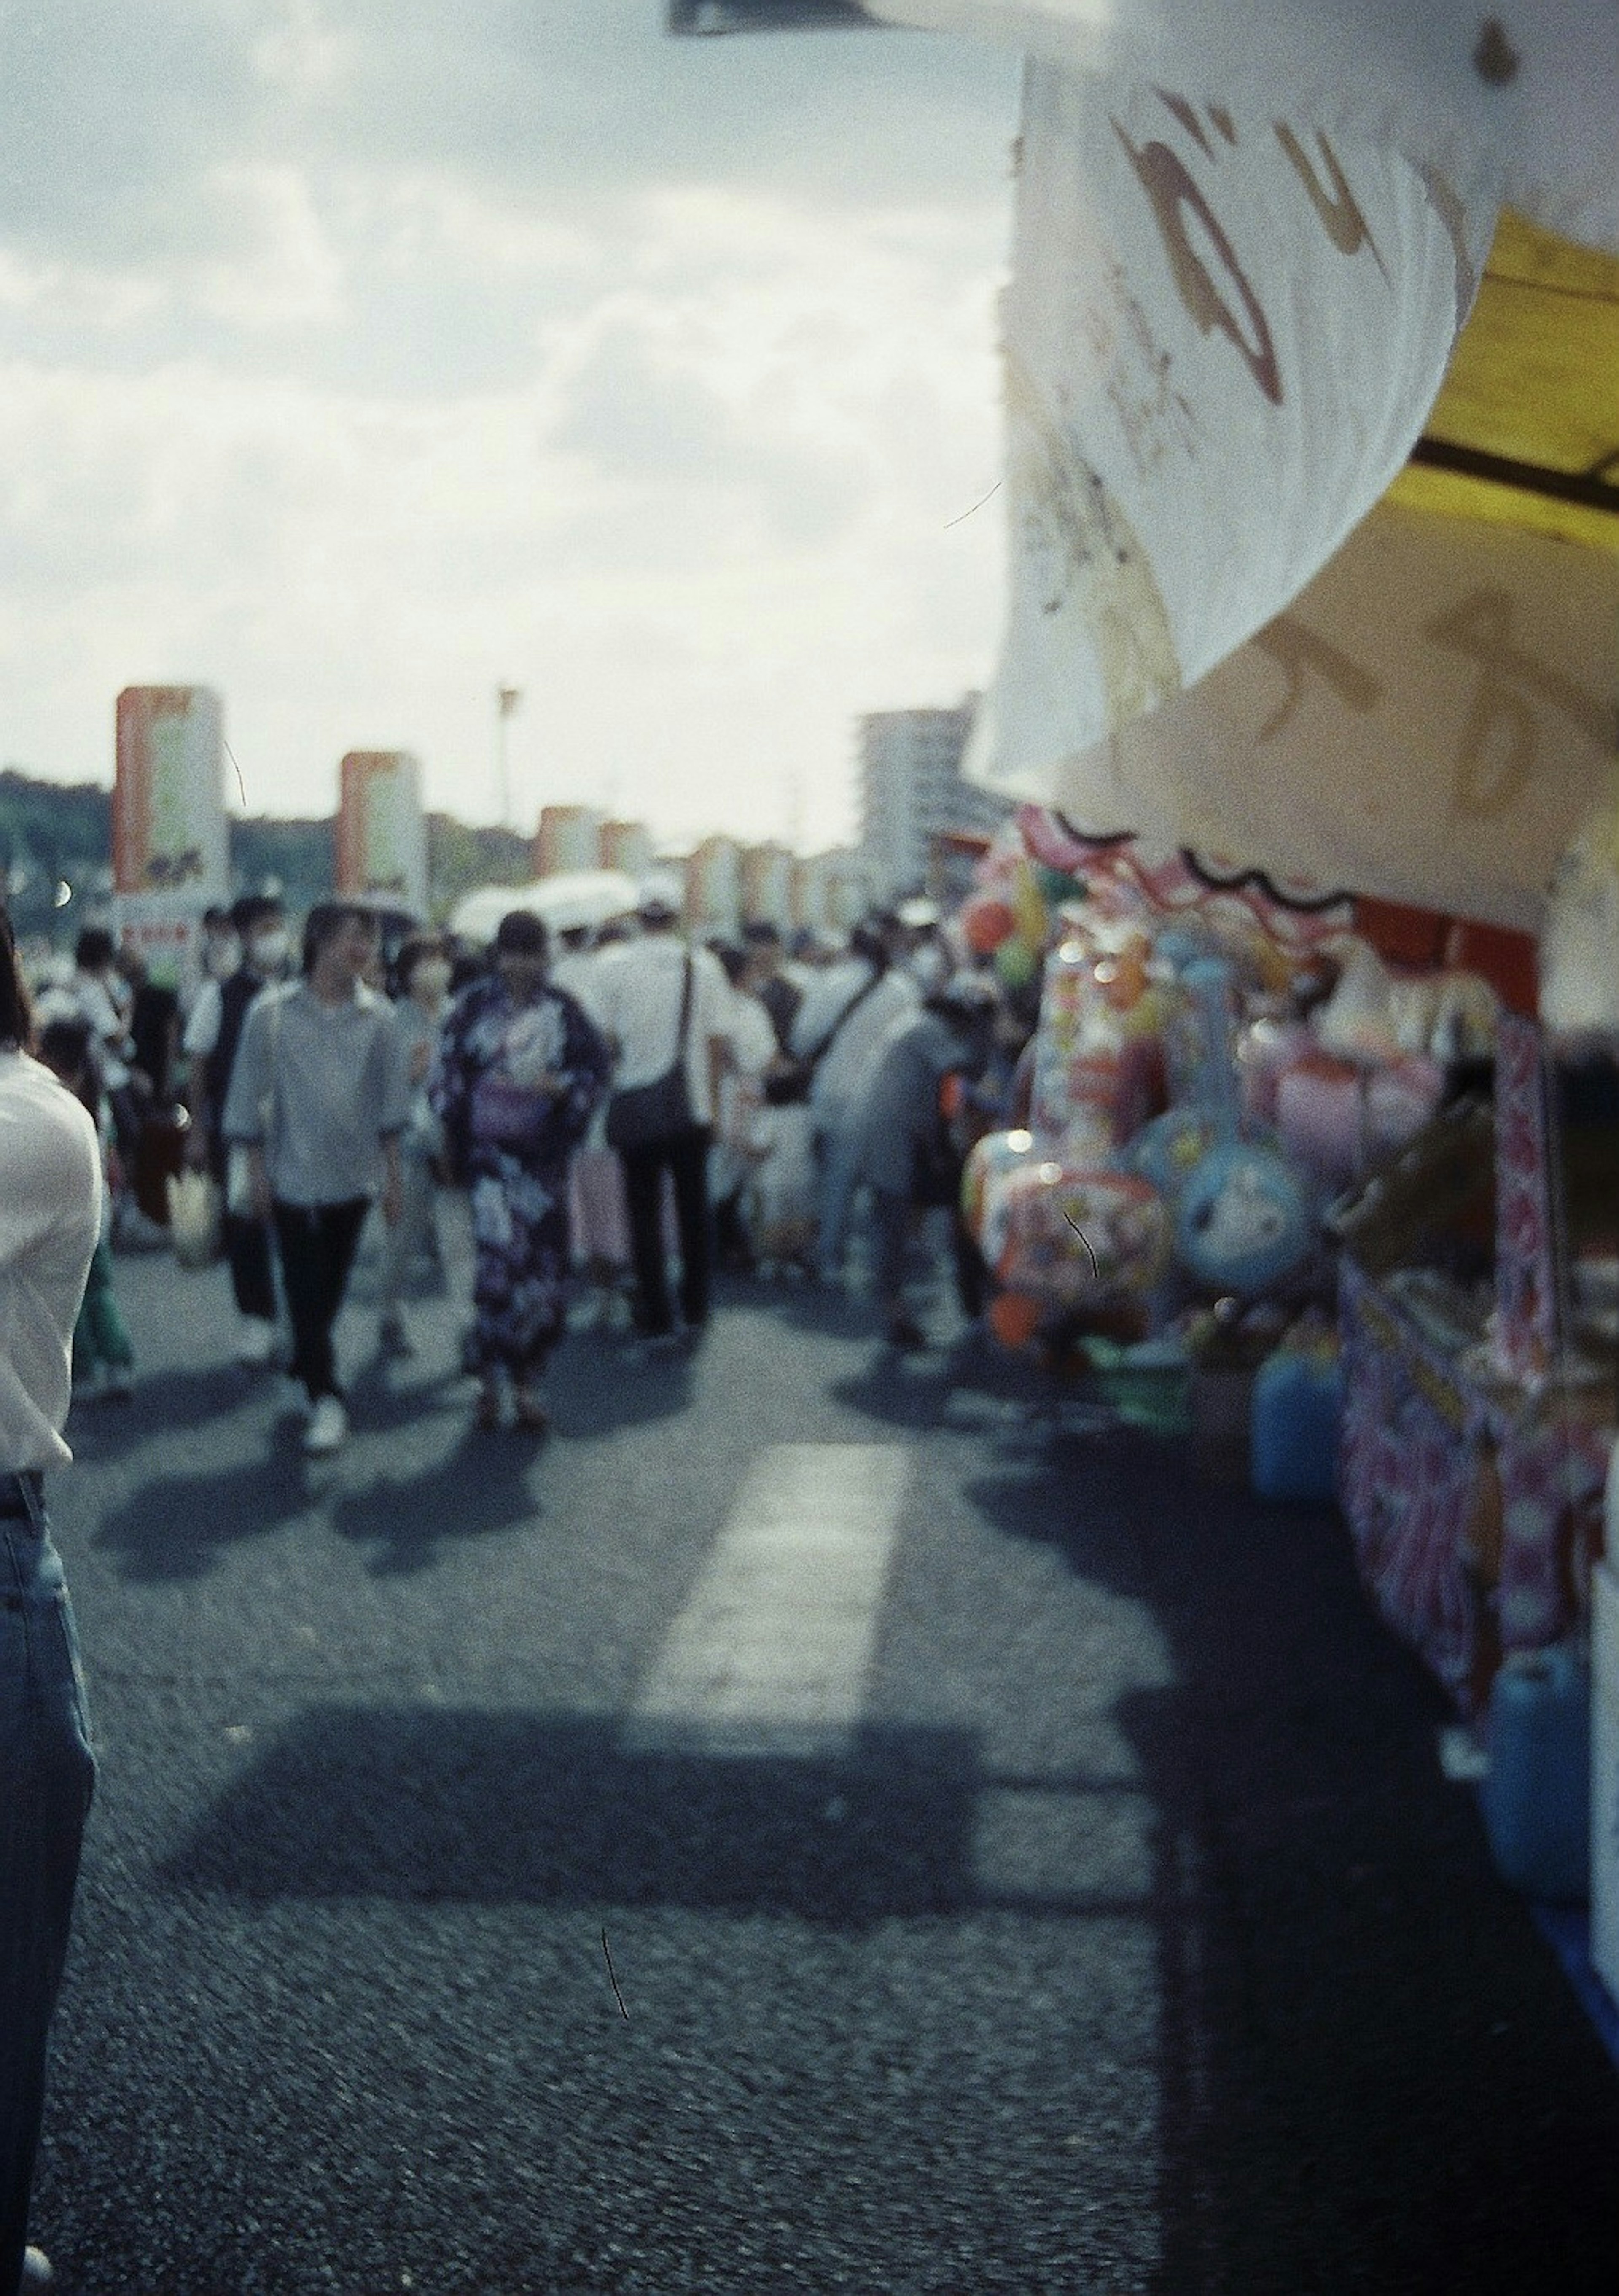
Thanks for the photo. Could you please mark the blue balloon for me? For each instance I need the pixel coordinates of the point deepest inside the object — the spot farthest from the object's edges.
(1168, 1149)
(1243, 1221)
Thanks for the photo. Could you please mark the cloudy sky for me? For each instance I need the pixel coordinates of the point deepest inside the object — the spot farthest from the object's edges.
(357, 355)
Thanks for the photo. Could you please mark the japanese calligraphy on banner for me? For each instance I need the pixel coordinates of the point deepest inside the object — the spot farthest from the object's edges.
(1518, 108)
(1222, 337)
(381, 841)
(1429, 722)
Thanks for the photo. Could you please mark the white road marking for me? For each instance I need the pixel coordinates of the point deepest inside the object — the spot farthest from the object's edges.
(771, 1653)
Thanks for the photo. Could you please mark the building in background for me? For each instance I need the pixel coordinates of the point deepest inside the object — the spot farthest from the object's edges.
(381, 840)
(569, 838)
(767, 884)
(627, 846)
(912, 791)
(713, 886)
(830, 891)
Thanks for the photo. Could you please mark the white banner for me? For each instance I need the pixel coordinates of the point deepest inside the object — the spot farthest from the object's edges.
(1429, 722)
(382, 833)
(1522, 103)
(169, 833)
(1222, 337)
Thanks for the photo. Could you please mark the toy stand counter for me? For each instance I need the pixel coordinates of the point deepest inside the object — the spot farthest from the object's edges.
(1474, 1447)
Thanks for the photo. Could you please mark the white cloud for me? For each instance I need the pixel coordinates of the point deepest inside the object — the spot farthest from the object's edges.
(390, 387)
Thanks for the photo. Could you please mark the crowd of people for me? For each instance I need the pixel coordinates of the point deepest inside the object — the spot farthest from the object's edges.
(623, 1101)
(622, 1107)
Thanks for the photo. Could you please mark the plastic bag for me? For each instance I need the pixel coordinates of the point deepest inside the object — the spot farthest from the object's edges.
(194, 1219)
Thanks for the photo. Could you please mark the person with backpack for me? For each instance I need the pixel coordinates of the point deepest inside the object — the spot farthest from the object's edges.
(664, 1008)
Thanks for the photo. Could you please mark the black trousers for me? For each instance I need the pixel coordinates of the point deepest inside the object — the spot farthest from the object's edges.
(317, 1247)
(246, 1246)
(684, 1156)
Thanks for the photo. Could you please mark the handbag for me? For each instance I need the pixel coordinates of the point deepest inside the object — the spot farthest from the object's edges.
(659, 1111)
(504, 1114)
(194, 1218)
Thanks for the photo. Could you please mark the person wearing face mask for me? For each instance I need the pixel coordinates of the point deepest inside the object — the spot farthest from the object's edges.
(422, 971)
(521, 1067)
(213, 1035)
(221, 948)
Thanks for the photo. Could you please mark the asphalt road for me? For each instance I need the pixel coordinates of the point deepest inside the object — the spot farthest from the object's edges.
(1131, 1942)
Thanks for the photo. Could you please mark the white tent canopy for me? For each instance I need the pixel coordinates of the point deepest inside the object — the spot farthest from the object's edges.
(564, 903)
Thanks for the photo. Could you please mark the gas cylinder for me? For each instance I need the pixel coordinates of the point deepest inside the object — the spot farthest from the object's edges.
(1537, 1795)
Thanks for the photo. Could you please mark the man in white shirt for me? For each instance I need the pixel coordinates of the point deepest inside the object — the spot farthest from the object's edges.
(50, 1217)
(638, 992)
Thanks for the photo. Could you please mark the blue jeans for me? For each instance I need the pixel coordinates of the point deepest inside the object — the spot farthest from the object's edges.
(46, 1776)
(840, 1178)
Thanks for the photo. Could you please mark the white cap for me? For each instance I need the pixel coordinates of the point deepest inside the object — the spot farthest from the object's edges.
(659, 894)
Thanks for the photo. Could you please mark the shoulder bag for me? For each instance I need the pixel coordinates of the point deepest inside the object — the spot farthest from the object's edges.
(660, 1109)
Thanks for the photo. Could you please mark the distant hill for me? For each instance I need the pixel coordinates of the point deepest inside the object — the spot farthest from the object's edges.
(51, 834)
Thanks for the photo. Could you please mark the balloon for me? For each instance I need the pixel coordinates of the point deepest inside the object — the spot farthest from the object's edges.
(1029, 909)
(1168, 1148)
(1014, 1319)
(1243, 1221)
(986, 922)
(1056, 884)
(1077, 1237)
(989, 1163)
(1016, 963)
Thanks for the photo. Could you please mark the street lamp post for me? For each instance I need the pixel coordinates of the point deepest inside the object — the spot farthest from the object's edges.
(507, 698)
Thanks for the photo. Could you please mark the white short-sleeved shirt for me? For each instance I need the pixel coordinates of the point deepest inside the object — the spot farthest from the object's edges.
(202, 1022)
(635, 997)
(50, 1217)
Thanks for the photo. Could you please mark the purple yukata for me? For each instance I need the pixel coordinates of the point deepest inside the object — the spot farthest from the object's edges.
(513, 1146)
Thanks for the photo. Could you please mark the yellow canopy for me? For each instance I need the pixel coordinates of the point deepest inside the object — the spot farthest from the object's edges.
(1526, 429)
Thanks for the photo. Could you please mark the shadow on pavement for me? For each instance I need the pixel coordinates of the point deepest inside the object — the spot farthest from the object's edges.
(163, 1403)
(601, 1384)
(479, 1487)
(172, 1528)
(444, 1804)
(1373, 2074)
(430, 1804)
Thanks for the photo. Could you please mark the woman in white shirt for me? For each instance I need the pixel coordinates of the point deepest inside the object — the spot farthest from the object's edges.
(50, 1217)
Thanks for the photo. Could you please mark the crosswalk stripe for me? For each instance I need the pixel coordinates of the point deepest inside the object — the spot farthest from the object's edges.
(772, 1650)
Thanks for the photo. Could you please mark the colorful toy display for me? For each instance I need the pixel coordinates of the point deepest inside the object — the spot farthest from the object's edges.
(1075, 1237)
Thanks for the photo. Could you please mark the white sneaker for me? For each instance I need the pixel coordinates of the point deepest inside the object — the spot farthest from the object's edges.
(36, 2273)
(328, 1425)
(254, 1341)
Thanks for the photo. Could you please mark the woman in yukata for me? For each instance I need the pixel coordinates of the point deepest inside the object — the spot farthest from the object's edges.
(519, 1071)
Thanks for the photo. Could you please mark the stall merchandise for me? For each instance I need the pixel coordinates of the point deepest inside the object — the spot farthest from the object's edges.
(1475, 1450)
